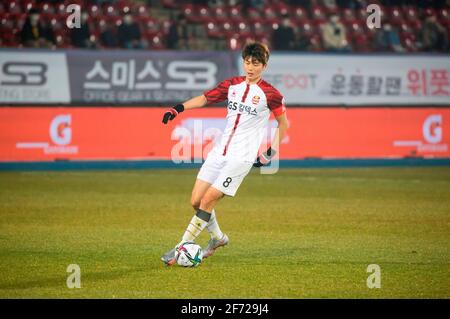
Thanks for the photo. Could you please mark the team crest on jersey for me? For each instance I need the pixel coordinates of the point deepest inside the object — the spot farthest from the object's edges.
(255, 99)
(233, 94)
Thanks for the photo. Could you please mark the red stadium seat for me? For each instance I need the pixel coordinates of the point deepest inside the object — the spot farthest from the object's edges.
(94, 11)
(47, 8)
(110, 11)
(444, 14)
(140, 10)
(196, 14)
(203, 14)
(307, 28)
(260, 28)
(395, 15)
(235, 13)
(356, 27)
(28, 5)
(228, 28)
(165, 26)
(404, 26)
(243, 28)
(19, 20)
(190, 12)
(316, 43)
(274, 26)
(5, 20)
(429, 12)
(124, 6)
(318, 13)
(283, 8)
(361, 43)
(270, 14)
(100, 24)
(220, 14)
(410, 13)
(14, 7)
(348, 15)
(254, 15)
(62, 36)
(408, 42)
(415, 25)
(361, 14)
(156, 42)
(150, 25)
(116, 21)
(58, 24)
(214, 29)
(60, 9)
(299, 13)
(169, 4)
(266, 39)
(332, 10)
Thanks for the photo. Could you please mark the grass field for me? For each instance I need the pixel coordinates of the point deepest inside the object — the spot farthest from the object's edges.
(302, 233)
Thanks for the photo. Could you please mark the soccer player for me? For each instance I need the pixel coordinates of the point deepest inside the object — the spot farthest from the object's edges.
(250, 101)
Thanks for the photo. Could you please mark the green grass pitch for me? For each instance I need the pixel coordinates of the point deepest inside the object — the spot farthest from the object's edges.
(302, 233)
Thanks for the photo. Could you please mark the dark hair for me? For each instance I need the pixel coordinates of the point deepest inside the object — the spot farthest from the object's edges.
(256, 50)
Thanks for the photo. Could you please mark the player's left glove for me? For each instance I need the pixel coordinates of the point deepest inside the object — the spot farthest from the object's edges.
(172, 113)
(264, 158)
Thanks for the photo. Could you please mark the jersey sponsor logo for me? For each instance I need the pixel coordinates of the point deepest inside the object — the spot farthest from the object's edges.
(255, 99)
(242, 108)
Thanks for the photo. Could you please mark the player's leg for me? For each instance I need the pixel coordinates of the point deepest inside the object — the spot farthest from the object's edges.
(228, 182)
(199, 190)
(207, 175)
(203, 215)
(198, 222)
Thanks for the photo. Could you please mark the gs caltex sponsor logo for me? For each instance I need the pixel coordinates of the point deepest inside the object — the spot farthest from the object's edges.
(60, 133)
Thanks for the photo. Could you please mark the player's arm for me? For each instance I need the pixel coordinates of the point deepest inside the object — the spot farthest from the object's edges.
(266, 157)
(195, 102)
(281, 131)
(215, 95)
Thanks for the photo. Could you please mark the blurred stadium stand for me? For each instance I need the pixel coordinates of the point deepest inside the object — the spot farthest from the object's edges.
(228, 24)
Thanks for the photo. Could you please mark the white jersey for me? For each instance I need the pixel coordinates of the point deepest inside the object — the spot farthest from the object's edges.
(249, 107)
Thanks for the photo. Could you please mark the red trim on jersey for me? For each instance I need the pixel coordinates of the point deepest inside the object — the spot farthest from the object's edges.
(236, 122)
(275, 100)
(220, 92)
(245, 93)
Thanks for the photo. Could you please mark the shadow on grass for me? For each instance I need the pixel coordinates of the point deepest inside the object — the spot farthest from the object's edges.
(60, 281)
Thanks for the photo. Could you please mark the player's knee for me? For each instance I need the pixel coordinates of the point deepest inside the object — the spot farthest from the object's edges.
(206, 201)
(195, 203)
(209, 199)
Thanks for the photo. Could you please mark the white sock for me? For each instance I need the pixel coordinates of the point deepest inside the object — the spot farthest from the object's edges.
(195, 227)
(213, 227)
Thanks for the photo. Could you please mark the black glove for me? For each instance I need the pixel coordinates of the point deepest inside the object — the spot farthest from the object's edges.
(264, 158)
(172, 113)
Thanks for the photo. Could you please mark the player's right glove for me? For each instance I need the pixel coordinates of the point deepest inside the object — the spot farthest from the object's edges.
(172, 113)
(264, 158)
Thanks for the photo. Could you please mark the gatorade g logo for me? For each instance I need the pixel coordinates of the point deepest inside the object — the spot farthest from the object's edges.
(432, 128)
(60, 130)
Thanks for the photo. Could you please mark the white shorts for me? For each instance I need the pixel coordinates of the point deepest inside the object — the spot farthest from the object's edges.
(225, 175)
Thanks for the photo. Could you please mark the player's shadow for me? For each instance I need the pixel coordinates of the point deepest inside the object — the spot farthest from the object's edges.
(60, 281)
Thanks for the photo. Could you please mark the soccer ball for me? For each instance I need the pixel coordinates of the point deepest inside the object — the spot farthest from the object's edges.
(189, 254)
